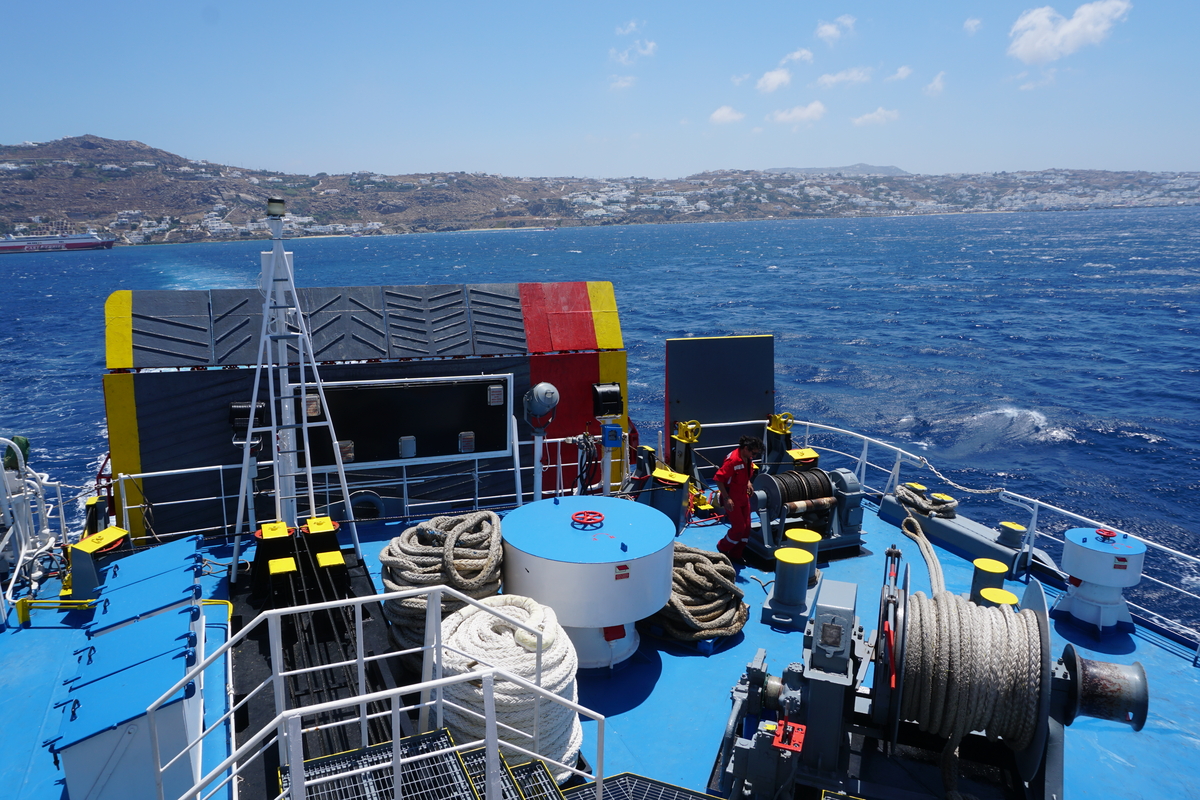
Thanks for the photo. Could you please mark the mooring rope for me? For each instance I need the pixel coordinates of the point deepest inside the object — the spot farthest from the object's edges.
(705, 601)
(463, 552)
(970, 668)
(911, 527)
(483, 638)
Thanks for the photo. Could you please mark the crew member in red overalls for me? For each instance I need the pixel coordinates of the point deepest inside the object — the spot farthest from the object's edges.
(733, 478)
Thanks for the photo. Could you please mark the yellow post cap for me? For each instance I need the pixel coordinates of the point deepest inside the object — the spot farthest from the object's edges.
(920, 487)
(1000, 597)
(281, 566)
(101, 540)
(803, 536)
(793, 555)
(332, 558)
(1013, 526)
(945, 498)
(669, 476)
(274, 530)
(990, 565)
(320, 525)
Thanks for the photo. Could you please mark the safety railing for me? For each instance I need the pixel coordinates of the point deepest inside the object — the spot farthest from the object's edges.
(860, 457)
(286, 728)
(871, 460)
(136, 503)
(1038, 509)
(31, 507)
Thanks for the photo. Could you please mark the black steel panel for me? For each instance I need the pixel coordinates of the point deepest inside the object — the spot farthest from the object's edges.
(498, 326)
(721, 379)
(236, 325)
(424, 321)
(171, 329)
(346, 322)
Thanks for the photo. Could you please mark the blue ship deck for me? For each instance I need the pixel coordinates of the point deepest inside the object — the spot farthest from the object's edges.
(666, 707)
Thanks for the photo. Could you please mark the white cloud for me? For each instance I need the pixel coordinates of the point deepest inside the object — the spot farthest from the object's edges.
(935, 86)
(880, 116)
(809, 113)
(830, 32)
(972, 25)
(803, 54)
(628, 28)
(853, 75)
(725, 114)
(1041, 35)
(622, 81)
(901, 74)
(629, 55)
(775, 79)
(738, 80)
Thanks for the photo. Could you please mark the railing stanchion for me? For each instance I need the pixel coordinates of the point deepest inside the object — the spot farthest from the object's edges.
(492, 781)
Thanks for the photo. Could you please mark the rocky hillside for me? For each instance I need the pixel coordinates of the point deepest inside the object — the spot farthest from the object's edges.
(143, 194)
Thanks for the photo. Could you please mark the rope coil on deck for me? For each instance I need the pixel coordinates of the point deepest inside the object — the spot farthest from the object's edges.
(971, 668)
(463, 552)
(705, 601)
(483, 638)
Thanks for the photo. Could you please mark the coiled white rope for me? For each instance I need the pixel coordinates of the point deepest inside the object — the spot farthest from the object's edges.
(488, 639)
(464, 552)
(970, 668)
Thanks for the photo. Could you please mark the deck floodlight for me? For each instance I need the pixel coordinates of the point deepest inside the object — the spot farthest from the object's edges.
(276, 207)
(540, 401)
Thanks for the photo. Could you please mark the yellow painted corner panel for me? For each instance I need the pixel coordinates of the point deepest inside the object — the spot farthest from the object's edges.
(118, 330)
(120, 408)
(605, 316)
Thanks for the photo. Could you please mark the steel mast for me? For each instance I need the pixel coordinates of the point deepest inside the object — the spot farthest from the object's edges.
(293, 407)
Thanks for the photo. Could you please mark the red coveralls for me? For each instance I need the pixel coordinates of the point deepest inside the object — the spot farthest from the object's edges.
(735, 474)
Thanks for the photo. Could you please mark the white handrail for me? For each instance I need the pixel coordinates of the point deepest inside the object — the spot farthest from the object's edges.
(280, 725)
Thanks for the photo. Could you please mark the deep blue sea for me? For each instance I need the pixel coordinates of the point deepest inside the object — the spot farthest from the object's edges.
(1053, 353)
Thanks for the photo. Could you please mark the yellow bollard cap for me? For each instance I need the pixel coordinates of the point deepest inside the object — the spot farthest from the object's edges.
(803, 536)
(793, 555)
(1000, 597)
(990, 565)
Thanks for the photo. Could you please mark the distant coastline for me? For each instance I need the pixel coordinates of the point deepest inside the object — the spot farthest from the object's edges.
(143, 195)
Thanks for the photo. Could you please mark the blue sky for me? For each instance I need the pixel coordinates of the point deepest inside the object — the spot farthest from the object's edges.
(614, 89)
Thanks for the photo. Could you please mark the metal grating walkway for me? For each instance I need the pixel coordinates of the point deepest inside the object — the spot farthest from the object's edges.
(627, 786)
(439, 777)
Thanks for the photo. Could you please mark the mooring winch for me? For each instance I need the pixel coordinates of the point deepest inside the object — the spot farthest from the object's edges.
(792, 491)
(944, 695)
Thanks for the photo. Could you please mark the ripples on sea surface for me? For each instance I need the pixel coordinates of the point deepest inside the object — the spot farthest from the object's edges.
(1052, 353)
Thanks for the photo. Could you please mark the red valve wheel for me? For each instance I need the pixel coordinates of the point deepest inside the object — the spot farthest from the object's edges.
(587, 517)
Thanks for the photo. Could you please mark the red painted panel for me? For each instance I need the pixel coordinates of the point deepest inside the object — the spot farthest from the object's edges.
(537, 323)
(569, 307)
(573, 375)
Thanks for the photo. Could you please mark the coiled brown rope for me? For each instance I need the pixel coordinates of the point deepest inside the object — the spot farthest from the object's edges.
(463, 552)
(705, 601)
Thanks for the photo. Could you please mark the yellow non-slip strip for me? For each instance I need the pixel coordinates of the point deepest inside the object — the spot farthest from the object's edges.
(118, 330)
(604, 315)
